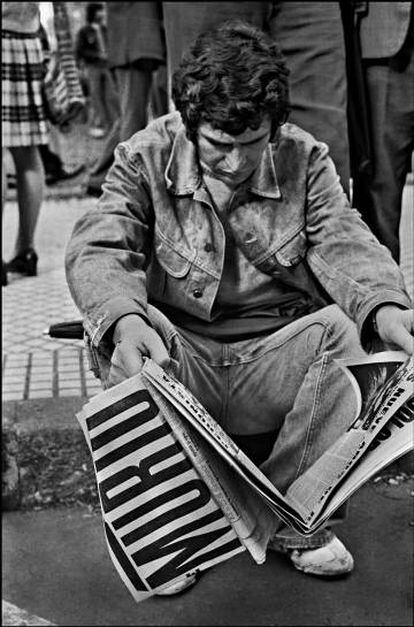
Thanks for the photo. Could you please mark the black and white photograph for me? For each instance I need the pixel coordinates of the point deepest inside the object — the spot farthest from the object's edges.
(207, 313)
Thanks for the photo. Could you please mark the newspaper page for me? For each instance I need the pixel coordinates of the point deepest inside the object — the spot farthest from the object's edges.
(190, 408)
(247, 512)
(394, 440)
(383, 383)
(160, 519)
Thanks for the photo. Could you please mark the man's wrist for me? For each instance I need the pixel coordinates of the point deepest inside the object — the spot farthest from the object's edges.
(119, 325)
(377, 310)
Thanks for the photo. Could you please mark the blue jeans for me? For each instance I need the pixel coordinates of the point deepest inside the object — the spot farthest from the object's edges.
(286, 383)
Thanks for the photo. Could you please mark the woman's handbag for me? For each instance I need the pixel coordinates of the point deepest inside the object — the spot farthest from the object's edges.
(63, 94)
(59, 108)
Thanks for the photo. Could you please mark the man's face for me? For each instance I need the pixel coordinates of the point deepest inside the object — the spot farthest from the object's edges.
(231, 158)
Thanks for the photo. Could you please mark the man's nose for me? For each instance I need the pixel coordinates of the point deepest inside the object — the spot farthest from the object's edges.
(235, 158)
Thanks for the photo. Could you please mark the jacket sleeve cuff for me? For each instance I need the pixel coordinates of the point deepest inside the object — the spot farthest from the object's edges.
(98, 323)
(366, 329)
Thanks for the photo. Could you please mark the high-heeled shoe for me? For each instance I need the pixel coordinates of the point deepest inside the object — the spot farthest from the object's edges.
(25, 263)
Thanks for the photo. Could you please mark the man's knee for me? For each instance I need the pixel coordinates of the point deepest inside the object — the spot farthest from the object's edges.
(342, 338)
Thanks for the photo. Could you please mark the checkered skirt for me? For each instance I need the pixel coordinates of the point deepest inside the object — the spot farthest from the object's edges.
(22, 111)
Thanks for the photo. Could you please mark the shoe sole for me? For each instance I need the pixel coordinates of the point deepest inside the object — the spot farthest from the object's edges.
(169, 592)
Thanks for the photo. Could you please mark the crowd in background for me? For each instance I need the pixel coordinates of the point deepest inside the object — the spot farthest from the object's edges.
(351, 66)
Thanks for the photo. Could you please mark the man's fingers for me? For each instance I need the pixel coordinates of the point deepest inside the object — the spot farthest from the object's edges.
(403, 339)
(126, 359)
(128, 356)
(132, 361)
(158, 352)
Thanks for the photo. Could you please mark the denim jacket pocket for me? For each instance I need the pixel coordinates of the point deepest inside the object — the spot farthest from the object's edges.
(174, 262)
(170, 274)
(293, 251)
(286, 256)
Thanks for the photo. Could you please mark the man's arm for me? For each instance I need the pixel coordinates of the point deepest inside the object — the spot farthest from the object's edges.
(109, 249)
(353, 267)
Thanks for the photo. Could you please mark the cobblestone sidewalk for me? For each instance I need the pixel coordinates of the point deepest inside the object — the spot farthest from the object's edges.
(34, 365)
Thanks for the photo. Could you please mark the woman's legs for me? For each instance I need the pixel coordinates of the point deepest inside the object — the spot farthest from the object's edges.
(30, 185)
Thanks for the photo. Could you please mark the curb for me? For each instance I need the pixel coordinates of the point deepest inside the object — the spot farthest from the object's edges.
(46, 461)
(45, 458)
(13, 615)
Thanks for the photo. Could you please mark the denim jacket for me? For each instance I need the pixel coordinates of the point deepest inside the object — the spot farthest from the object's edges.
(154, 236)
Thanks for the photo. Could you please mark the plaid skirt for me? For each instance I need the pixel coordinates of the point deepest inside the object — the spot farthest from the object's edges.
(23, 114)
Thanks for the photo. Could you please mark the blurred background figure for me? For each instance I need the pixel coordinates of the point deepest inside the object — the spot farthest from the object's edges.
(136, 50)
(387, 44)
(54, 168)
(24, 125)
(92, 56)
(310, 36)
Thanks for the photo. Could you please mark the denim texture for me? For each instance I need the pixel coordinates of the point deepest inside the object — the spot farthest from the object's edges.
(154, 236)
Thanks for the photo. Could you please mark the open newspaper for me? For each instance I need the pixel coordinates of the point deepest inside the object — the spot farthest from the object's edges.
(178, 495)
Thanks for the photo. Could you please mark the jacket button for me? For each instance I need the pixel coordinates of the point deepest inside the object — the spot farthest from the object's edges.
(197, 293)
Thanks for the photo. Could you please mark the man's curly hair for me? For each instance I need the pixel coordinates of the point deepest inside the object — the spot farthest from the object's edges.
(232, 77)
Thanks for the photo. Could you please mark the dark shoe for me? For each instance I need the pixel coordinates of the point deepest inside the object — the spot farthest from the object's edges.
(25, 263)
(3, 274)
(64, 175)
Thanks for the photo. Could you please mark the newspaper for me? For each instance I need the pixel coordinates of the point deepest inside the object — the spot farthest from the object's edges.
(160, 519)
(178, 495)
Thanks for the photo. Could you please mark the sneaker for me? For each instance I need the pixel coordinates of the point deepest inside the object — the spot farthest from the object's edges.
(330, 560)
(179, 586)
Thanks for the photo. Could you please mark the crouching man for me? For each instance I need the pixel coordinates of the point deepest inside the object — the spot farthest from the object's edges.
(224, 248)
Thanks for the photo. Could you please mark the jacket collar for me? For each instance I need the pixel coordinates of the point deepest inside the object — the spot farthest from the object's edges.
(182, 175)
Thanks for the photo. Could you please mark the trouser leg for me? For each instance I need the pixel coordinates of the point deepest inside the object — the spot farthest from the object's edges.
(392, 129)
(96, 103)
(159, 92)
(310, 36)
(110, 97)
(134, 85)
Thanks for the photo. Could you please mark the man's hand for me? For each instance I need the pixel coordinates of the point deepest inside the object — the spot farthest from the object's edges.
(134, 340)
(396, 326)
